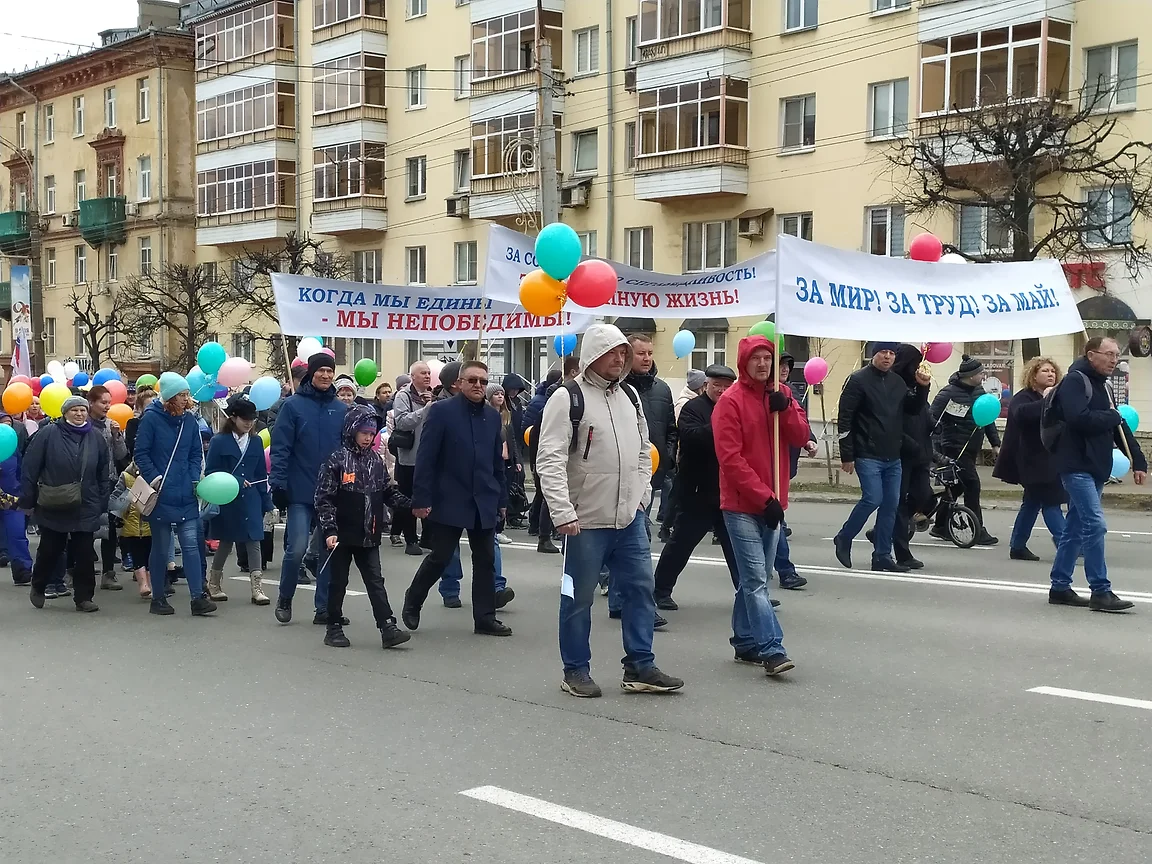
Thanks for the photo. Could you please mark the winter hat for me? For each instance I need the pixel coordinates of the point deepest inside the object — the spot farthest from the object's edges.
(513, 382)
(403, 380)
(969, 367)
(172, 384)
(320, 360)
(877, 347)
(240, 406)
(73, 402)
(491, 390)
(344, 381)
(369, 420)
(719, 370)
(450, 374)
(696, 379)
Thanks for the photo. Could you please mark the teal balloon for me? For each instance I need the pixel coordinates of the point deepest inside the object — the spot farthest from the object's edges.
(264, 392)
(1120, 464)
(196, 379)
(218, 488)
(211, 357)
(8, 441)
(206, 393)
(683, 343)
(1130, 416)
(558, 250)
(985, 410)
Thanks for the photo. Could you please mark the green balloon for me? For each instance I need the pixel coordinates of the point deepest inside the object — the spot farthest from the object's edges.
(763, 328)
(365, 372)
(218, 488)
(145, 381)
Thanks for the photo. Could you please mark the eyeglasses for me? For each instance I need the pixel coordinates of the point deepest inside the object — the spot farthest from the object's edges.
(481, 381)
(1111, 354)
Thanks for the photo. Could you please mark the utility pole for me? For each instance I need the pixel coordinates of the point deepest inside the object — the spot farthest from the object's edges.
(546, 130)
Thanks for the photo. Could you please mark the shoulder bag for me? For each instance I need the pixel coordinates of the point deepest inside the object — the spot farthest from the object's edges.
(144, 498)
(66, 496)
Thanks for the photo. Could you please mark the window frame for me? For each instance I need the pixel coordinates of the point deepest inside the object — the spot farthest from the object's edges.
(50, 123)
(659, 15)
(1113, 83)
(639, 247)
(462, 76)
(1109, 240)
(50, 266)
(245, 33)
(726, 247)
(471, 262)
(892, 212)
(802, 24)
(368, 263)
(144, 247)
(248, 109)
(80, 264)
(416, 87)
(589, 65)
(986, 216)
(353, 81)
(246, 187)
(50, 336)
(143, 99)
(891, 7)
(144, 178)
(416, 257)
(577, 139)
(587, 243)
(350, 170)
(462, 159)
(420, 164)
(326, 13)
(415, 9)
(110, 107)
(78, 116)
(80, 186)
(802, 147)
(803, 219)
(698, 110)
(493, 44)
(708, 350)
(894, 130)
(112, 263)
(49, 194)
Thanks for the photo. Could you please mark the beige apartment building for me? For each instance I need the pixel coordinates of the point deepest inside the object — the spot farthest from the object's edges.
(97, 154)
(689, 133)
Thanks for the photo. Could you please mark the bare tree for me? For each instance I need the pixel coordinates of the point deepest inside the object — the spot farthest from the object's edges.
(177, 299)
(101, 334)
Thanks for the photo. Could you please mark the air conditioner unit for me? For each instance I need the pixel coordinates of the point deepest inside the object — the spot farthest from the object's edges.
(574, 196)
(458, 206)
(71, 220)
(131, 209)
(750, 226)
(630, 79)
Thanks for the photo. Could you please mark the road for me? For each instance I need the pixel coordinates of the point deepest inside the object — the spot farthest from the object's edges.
(907, 732)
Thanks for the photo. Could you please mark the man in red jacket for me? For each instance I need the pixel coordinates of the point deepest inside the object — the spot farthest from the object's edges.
(754, 473)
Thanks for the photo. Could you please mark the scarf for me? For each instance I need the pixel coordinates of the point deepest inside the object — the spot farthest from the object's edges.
(242, 442)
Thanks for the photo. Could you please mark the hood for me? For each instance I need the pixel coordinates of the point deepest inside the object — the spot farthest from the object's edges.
(744, 351)
(357, 415)
(908, 359)
(512, 381)
(955, 380)
(599, 339)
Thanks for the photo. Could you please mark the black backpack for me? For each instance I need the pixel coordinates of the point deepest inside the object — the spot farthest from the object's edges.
(1051, 419)
(576, 409)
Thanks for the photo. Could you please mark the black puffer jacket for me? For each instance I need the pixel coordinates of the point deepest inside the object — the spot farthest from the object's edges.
(659, 411)
(916, 449)
(952, 414)
(54, 459)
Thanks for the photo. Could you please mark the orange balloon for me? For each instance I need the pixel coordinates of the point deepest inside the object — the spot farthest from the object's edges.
(121, 414)
(541, 295)
(17, 397)
(527, 435)
(655, 458)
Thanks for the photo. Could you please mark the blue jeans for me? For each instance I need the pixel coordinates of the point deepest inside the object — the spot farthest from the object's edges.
(783, 561)
(755, 628)
(627, 553)
(164, 535)
(1030, 508)
(298, 534)
(879, 491)
(453, 573)
(1084, 533)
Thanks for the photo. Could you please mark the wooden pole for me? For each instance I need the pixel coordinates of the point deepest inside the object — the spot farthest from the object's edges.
(827, 438)
(287, 360)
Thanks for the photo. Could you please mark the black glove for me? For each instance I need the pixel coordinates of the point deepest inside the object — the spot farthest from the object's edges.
(779, 401)
(773, 514)
(280, 499)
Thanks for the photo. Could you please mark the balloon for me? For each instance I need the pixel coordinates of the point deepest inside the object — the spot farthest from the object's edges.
(265, 438)
(36, 386)
(308, 346)
(540, 294)
(564, 343)
(985, 409)
(763, 328)
(80, 379)
(46, 379)
(925, 247)
(54, 368)
(1126, 411)
(17, 397)
(8, 441)
(118, 391)
(103, 376)
(938, 352)
(121, 413)
(211, 357)
(815, 370)
(218, 488)
(558, 250)
(264, 392)
(655, 458)
(268, 459)
(435, 365)
(329, 352)
(146, 382)
(683, 343)
(52, 399)
(527, 435)
(207, 392)
(952, 258)
(365, 371)
(19, 379)
(221, 391)
(593, 283)
(196, 379)
(297, 363)
(234, 372)
(1121, 464)
(71, 368)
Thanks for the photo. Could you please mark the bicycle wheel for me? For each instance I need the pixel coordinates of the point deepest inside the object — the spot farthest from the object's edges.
(963, 526)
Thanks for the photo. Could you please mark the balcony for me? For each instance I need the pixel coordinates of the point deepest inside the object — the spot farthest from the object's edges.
(696, 43)
(103, 220)
(350, 215)
(703, 172)
(276, 133)
(349, 115)
(266, 223)
(504, 195)
(15, 236)
(360, 24)
(523, 80)
(246, 64)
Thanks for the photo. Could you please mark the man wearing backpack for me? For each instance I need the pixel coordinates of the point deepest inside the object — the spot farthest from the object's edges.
(595, 468)
(1080, 426)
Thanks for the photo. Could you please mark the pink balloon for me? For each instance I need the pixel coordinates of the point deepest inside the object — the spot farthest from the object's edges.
(298, 362)
(268, 459)
(938, 352)
(117, 390)
(925, 247)
(816, 370)
(236, 372)
(329, 352)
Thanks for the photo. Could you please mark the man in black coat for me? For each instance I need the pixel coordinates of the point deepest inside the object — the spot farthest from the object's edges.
(915, 453)
(659, 410)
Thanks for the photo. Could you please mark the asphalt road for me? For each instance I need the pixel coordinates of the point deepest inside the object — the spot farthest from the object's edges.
(907, 732)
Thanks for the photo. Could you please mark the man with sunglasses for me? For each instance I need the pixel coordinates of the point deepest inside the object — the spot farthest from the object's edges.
(459, 485)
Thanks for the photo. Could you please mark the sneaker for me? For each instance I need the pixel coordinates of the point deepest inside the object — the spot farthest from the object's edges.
(650, 680)
(1067, 597)
(302, 578)
(667, 604)
(748, 657)
(321, 618)
(452, 603)
(792, 581)
(491, 627)
(547, 547)
(986, 539)
(659, 621)
(108, 583)
(504, 596)
(911, 563)
(843, 551)
(413, 549)
(335, 638)
(391, 635)
(21, 580)
(888, 565)
(396, 541)
(176, 573)
(1106, 601)
(1023, 554)
(202, 605)
(63, 590)
(283, 610)
(503, 539)
(580, 684)
(127, 566)
(87, 606)
(160, 606)
(777, 664)
(37, 597)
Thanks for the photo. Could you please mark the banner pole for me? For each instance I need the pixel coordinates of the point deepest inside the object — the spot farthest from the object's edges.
(287, 360)
(776, 381)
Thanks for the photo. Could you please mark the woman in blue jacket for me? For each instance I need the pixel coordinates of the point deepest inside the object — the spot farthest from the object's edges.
(240, 453)
(169, 455)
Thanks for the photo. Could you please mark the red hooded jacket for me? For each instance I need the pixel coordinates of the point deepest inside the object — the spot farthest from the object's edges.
(742, 428)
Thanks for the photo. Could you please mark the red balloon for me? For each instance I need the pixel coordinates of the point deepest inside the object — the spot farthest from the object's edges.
(36, 386)
(593, 283)
(925, 247)
(116, 390)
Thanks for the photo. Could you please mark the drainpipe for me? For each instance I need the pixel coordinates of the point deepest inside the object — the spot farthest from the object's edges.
(610, 186)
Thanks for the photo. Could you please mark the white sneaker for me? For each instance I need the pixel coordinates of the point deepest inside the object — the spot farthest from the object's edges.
(503, 539)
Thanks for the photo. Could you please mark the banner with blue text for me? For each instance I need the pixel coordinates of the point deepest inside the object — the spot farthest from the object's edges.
(330, 307)
(841, 294)
(747, 288)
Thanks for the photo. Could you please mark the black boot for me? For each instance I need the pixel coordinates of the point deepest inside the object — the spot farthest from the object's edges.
(283, 609)
(546, 546)
(391, 635)
(335, 637)
(202, 605)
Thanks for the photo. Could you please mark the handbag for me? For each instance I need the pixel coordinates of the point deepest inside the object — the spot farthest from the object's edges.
(66, 496)
(144, 496)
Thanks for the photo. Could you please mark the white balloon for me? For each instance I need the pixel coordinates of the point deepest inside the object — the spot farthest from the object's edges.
(952, 258)
(71, 368)
(308, 346)
(54, 367)
(435, 366)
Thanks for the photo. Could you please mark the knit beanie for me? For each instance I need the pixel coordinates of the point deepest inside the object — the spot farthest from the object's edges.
(320, 360)
(491, 390)
(73, 402)
(696, 379)
(345, 381)
(877, 347)
(172, 384)
(969, 367)
(450, 374)
(403, 380)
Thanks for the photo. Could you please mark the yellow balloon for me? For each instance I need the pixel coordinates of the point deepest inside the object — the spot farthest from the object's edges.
(541, 295)
(266, 438)
(655, 458)
(52, 398)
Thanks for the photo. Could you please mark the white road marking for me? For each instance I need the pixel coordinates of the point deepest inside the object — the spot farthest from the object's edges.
(621, 832)
(1094, 697)
(349, 592)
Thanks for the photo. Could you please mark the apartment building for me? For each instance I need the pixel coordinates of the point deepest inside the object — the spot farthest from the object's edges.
(97, 155)
(689, 133)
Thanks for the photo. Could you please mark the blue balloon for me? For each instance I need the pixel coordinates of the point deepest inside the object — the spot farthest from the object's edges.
(211, 357)
(80, 379)
(683, 343)
(264, 392)
(985, 410)
(46, 379)
(1130, 416)
(558, 250)
(8, 441)
(206, 393)
(196, 379)
(564, 344)
(1120, 464)
(102, 376)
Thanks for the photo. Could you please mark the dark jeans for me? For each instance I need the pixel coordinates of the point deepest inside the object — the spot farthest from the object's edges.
(368, 563)
(403, 522)
(966, 471)
(665, 497)
(444, 539)
(538, 515)
(688, 529)
(915, 497)
(51, 555)
(108, 549)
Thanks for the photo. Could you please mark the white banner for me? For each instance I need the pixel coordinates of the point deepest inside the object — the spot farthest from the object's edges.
(840, 294)
(747, 288)
(21, 287)
(330, 307)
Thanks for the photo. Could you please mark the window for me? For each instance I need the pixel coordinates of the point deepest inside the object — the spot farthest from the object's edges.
(77, 116)
(50, 194)
(587, 45)
(463, 170)
(49, 124)
(245, 33)
(416, 8)
(264, 106)
(347, 82)
(347, 170)
(797, 225)
(79, 181)
(80, 260)
(702, 114)
(244, 345)
(22, 130)
(143, 100)
(367, 265)
(417, 177)
(326, 12)
(1109, 216)
(21, 196)
(888, 109)
(588, 243)
(462, 72)
(711, 347)
(885, 227)
(252, 186)
(983, 231)
(584, 152)
(112, 181)
(800, 14)
(631, 40)
(799, 126)
(507, 45)
(502, 145)
(667, 19)
(466, 263)
(638, 242)
(709, 245)
(110, 107)
(629, 146)
(112, 259)
(1110, 79)
(145, 255)
(50, 336)
(417, 264)
(144, 178)
(890, 5)
(50, 267)
(417, 87)
(365, 349)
